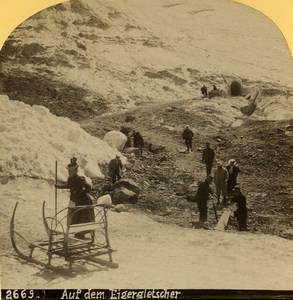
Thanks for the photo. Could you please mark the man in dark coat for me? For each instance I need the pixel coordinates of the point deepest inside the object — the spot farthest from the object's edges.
(208, 156)
(79, 189)
(241, 212)
(202, 196)
(115, 168)
(233, 171)
(138, 141)
(187, 135)
(204, 91)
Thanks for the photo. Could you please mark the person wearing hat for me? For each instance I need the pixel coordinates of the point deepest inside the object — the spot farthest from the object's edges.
(233, 171)
(115, 168)
(202, 197)
(241, 212)
(208, 156)
(79, 189)
(220, 178)
(187, 135)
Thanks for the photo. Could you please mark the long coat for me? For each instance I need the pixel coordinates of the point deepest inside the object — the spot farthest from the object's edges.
(241, 212)
(208, 155)
(79, 190)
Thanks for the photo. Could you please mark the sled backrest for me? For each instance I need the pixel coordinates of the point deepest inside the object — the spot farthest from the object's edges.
(65, 224)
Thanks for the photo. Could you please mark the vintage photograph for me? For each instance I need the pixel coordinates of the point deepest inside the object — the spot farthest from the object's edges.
(146, 144)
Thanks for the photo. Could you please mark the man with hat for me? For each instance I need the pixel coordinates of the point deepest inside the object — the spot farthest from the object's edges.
(233, 171)
(115, 168)
(241, 212)
(221, 177)
(79, 188)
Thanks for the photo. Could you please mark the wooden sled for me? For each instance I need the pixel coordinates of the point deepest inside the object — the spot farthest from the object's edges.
(63, 241)
(223, 222)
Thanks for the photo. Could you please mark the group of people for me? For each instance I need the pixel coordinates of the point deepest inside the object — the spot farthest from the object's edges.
(204, 90)
(225, 180)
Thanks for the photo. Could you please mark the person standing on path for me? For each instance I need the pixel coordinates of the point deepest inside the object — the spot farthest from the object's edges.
(202, 197)
(138, 142)
(208, 156)
(241, 212)
(204, 91)
(187, 135)
(79, 189)
(220, 178)
(115, 168)
(233, 171)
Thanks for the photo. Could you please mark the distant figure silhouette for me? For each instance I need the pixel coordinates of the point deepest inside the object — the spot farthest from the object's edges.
(204, 91)
(187, 135)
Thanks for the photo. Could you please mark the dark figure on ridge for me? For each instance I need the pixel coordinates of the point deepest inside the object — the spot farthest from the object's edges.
(208, 156)
(187, 135)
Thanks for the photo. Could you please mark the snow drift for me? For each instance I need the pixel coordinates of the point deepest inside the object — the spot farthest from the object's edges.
(32, 139)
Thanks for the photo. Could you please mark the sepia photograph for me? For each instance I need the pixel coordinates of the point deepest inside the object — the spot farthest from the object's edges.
(146, 152)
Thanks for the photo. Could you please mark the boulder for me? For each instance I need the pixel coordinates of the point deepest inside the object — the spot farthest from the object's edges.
(122, 195)
(129, 118)
(128, 184)
(105, 200)
(156, 149)
(116, 139)
(120, 208)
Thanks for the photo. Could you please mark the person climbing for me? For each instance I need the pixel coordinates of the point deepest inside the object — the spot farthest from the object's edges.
(220, 178)
(208, 156)
(202, 196)
(233, 171)
(204, 91)
(187, 135)
(79, 189)
(115, 168)
(138, 142)
(214, 88)
(241, 212)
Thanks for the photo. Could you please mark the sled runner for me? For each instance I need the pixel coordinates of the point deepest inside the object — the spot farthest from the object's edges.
(67, 239)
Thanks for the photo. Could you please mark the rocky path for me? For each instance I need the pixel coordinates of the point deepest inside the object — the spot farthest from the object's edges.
(262, 149)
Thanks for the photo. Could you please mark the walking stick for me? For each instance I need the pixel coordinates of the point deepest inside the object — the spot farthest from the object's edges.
(56, 165)
(215, 211)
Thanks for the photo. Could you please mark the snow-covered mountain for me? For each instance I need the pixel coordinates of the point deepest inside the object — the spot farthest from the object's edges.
(100, 55)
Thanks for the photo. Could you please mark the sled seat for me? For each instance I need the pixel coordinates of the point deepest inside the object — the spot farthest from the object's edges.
(64, 239)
